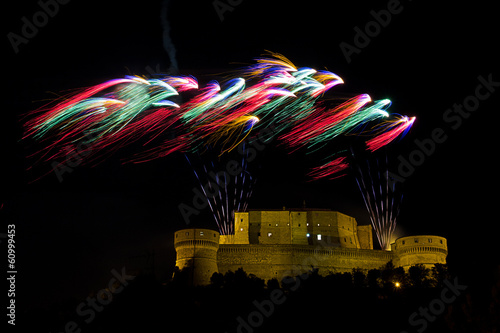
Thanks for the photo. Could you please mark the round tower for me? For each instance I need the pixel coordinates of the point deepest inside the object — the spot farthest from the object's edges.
(197, 254)
(422, 249)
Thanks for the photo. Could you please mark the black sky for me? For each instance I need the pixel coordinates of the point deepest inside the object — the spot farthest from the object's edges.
(71, 234)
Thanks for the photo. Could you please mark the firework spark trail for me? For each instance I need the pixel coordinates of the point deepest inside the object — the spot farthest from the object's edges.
(225, 193)
(381, 197)
(209, 122)
(97, 116)
(329, 169)
(39, 126)
(245, 193)
(368, 203)
(306, 84)
(217, 110)
(214, 115)
(218, 206)
(267, 65)
(344, 119)
(323, 125)
(388, 131)
(230, 135)
(212, 100)
(181, 83)
(205, 193)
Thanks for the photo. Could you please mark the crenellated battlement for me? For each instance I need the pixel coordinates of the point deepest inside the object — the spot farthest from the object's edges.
(196, 242)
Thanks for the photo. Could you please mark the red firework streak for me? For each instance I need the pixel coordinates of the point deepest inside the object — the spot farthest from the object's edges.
(390, 130)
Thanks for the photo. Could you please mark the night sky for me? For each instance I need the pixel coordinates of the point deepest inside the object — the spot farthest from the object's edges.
(71, 234)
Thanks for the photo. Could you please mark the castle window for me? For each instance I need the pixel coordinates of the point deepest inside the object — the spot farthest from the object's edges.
(416, 240)
(403, 242)
(307, 224)
(430, 240)
(319, 236)
(318, 224)
(345, 240)
(241, 220)
(308, 235)
(269, 224)
(299, 224)
(441, 241)
(350, 239)
(269, 234)
(276, 224)
(201, 233)
(187, 233)
(241, 229)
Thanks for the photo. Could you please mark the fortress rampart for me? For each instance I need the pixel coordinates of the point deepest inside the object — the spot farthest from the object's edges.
(278, 261)
(275, 244)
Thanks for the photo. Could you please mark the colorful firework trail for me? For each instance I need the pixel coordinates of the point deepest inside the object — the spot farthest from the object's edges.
(330, 170)
(272, 92)
(107, 116)
(389, 131)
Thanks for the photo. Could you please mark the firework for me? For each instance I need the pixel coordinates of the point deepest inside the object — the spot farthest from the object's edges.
(225, 193)
(216, 119)
(324, 125)
(329, 170)
(388, 131)
(382, 198)
(107, 116)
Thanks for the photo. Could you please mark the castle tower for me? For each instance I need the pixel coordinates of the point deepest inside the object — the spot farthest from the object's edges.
(197, 253)
(422, 249)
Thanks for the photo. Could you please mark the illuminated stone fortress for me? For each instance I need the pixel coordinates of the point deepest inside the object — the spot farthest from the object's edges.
(278, 243)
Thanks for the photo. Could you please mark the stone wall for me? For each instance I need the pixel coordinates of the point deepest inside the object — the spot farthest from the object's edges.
(277, 261)
(204, 252)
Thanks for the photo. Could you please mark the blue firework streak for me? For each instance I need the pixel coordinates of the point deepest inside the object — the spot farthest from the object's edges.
(225, 193)
(382, 197)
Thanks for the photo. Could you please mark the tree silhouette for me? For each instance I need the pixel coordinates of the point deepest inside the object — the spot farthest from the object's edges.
(418, 276)
(358, 278)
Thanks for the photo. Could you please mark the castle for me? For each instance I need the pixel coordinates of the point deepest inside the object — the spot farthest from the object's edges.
(278, 243)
